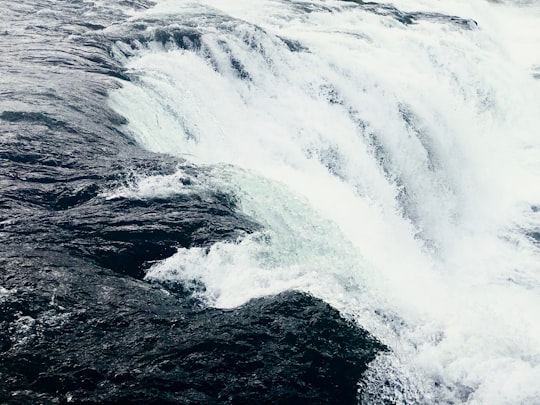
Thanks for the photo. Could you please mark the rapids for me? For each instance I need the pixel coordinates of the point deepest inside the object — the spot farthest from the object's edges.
(391, 155)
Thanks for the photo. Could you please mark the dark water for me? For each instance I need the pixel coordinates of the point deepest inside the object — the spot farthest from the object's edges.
(77, 322)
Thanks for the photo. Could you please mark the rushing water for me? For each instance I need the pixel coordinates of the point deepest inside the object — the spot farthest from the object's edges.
(184, 183)
(391, 155)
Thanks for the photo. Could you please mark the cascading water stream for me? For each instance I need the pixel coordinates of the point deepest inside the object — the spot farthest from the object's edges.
(391, 158)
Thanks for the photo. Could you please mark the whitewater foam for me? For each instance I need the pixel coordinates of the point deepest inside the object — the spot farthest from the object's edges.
(393, 168)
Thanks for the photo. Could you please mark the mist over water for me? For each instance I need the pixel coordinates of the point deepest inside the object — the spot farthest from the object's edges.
(392, 157)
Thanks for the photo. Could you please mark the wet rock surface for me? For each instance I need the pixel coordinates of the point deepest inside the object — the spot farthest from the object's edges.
(408, 18)
(62, 151)
(83, 336)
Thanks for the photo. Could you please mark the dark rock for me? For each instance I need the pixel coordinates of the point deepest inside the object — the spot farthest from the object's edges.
(408, 18)
(106, 339)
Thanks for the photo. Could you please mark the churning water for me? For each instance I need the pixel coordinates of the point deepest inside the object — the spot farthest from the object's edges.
(392, 156)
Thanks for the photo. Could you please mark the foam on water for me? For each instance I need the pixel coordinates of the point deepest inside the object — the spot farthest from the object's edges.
(5, 293)
(143, 186)
(394, 169)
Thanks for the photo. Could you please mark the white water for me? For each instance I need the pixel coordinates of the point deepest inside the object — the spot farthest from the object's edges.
(393, 167)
